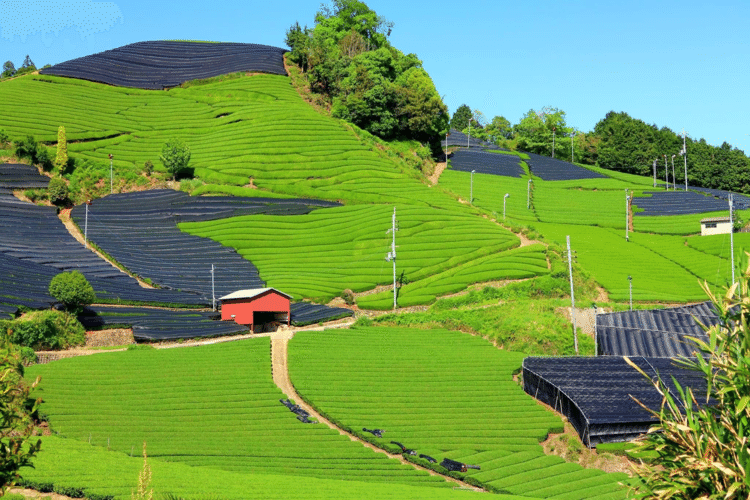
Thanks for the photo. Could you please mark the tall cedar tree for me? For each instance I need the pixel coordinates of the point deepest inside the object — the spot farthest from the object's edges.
(61, 160)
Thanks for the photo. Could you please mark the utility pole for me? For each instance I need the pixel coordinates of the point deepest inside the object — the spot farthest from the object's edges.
(627, 214)
(683, 153)
(731, 231)
(505, 198)
(391, 257)
(572, 296)
(630, 281)
(213, 292)
(674, 179)
(528, 194)
(471, 192)
(654, 173)
(110, 173)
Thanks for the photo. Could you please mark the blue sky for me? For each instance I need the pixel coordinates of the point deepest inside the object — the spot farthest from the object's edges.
(675, 64)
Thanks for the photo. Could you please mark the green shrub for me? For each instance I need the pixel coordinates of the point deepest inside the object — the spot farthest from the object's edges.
(4, 138)
(148, 168)
(28, 356)
(45, 330)
(58, 191)
(72, 289)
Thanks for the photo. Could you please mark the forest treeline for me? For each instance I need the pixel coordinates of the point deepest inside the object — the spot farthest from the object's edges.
(618, 142)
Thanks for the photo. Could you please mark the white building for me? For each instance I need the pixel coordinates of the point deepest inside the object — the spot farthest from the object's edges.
(715, 225)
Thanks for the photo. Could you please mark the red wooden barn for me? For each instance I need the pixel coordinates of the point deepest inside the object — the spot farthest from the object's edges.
(256, 307)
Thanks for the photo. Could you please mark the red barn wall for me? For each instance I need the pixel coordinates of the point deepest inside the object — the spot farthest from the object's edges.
(243, 309)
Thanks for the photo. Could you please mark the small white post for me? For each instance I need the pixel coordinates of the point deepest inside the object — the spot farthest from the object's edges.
(666, 172)
(505, 198)
(627, 215)
(630, 282)
(572, 296)
(213, 290)
(654, 173)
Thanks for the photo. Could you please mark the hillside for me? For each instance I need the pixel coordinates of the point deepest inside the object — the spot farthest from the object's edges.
(320, 196)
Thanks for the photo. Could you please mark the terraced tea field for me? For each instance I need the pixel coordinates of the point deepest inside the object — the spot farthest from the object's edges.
(239, 129)
(329, 250)
(92, 469)
(446, 395)
(211, 406)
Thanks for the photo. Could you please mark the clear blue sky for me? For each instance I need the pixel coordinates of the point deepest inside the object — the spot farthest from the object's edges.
(675, 64)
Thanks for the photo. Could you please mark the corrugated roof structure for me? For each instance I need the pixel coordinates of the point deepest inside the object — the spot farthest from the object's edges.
(596, 394)
(655, 333)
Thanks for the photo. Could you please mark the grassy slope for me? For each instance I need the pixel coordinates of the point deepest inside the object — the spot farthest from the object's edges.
(444, 394)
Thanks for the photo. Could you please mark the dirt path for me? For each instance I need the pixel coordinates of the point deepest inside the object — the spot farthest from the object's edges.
(435, 177)
(279, 344)
(64, 216)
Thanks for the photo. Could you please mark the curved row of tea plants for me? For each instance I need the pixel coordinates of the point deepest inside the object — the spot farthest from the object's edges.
(445, 395)
(320, 254)
(74, 467)
(211, 406)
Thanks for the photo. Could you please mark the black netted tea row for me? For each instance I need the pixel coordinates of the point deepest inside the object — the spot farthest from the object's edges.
(596, 394)
(654, 333)
(552, 169)
(140, 231)
(19, 176)
(487, 163)
(163, 64)
(683, 203)
(35, 246)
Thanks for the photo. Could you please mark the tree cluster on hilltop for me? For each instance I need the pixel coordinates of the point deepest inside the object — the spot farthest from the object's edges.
(618, 142)
(348, 59)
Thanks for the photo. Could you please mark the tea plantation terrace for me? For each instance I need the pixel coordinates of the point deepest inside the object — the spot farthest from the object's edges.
(596, 394)
(19, 176)
(552, 169)
(655, 333)
(140, 231)
(163, 64)
(35, 246)
(487, 163)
